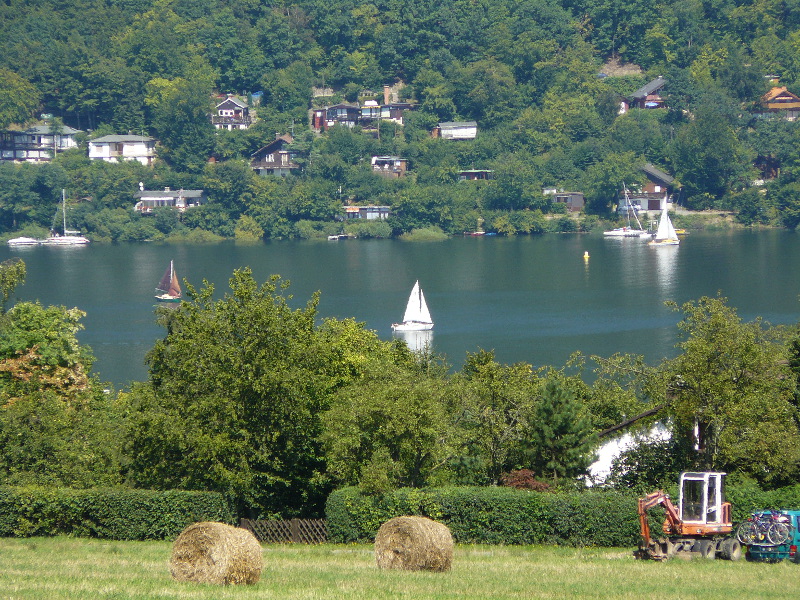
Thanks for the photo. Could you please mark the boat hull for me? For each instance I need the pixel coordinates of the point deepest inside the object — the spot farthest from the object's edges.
(625, 232)
(412, 326)
(23, 241)
(66, 240)
(166, 298)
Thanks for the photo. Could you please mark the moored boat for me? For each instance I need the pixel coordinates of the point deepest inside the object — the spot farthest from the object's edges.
(23, 241)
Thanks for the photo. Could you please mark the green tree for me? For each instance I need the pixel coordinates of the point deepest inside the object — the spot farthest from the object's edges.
(494, 410)
(562, 441)
(18, 98)
(731, 394)
(12, 275)
(391, 429)
(235, 393)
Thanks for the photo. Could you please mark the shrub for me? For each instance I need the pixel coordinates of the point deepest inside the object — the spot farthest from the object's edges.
(523, 479)
(119, 514)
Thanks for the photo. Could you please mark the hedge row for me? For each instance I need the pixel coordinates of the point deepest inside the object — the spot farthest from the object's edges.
(493, 515)
(500, 515)
(117, 514)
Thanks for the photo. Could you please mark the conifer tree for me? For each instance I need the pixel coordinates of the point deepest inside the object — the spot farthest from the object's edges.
(562, 440)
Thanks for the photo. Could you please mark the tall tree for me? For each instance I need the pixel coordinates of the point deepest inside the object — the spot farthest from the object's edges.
(18, 98)
(235, 393)
(562, 441)
(732, 393)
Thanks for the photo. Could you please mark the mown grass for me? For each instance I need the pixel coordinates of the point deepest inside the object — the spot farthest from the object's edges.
(56, 568)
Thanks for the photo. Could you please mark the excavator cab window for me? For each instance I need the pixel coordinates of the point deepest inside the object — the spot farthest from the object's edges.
(701, 497)
(693, 500)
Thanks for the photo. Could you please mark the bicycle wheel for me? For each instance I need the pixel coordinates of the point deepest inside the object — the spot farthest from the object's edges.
(778, 533)
(747, 533)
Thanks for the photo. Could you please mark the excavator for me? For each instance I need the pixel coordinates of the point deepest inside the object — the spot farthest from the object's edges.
(699, 526)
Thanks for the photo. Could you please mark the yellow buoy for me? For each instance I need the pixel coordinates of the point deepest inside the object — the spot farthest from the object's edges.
(586, 255)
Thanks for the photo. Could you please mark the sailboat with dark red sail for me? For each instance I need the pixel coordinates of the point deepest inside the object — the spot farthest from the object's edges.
(169, 286)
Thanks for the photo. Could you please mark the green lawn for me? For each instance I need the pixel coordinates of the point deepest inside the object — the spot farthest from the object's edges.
(53, 568)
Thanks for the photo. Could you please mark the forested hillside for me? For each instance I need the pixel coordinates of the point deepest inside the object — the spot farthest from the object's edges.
(536, 76)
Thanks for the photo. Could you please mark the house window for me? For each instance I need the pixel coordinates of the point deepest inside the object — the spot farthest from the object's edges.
(657, 188)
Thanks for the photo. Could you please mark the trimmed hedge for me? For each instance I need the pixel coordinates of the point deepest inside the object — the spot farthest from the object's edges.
(118, 514)
(493, 515)
(501, 515)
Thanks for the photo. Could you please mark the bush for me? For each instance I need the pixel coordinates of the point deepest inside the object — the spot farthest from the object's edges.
(492, 515)
(118, 514)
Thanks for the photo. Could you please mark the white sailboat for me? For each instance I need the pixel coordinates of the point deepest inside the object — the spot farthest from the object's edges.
(665, 234)
(69, 238)
(417, 316)
(629, 230)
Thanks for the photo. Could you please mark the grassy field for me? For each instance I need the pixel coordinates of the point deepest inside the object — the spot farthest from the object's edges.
(55, 568)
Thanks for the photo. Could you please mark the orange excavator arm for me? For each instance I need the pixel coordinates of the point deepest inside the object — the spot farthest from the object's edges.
(673, 519)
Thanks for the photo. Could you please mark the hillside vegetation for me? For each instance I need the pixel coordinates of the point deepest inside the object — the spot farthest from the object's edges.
(543, 80)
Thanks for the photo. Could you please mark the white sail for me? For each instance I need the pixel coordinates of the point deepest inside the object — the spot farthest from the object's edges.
(417, 315)
(665, 235)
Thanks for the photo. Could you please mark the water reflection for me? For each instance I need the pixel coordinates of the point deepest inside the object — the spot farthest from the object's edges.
(666, 265)
(417, 341)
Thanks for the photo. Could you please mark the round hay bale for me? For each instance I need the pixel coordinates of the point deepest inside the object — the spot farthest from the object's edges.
(414, 544)
(210, 552)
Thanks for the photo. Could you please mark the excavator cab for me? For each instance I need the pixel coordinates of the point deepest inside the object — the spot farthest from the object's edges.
(701, 500)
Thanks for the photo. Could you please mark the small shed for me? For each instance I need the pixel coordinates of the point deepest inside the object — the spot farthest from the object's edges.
(456, 130)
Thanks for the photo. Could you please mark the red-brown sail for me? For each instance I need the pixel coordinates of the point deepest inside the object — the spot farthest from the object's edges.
(169, 286)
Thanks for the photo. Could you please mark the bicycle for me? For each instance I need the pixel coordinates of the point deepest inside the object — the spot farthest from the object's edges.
(765, 528)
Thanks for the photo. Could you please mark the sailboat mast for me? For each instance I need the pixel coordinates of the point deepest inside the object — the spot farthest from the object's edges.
(64, 209)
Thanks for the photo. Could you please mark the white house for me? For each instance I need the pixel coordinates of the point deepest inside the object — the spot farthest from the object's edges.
(36, 144)
(181, 199)
(231, 114)
(117, 148)
(458, 130)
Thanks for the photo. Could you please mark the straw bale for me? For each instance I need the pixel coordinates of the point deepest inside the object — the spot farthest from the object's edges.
(217, 553)
(414, 544)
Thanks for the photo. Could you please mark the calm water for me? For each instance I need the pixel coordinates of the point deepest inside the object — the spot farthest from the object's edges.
(531, 299)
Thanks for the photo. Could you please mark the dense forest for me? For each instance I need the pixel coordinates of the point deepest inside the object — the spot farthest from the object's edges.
(539, 78)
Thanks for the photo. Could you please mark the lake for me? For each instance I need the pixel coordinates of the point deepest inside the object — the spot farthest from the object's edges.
(532, 299)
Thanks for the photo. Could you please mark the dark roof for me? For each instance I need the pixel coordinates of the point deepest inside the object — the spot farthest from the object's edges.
(169, 194)
(646, 90)
(234, 101)
(655, 173)
(276, 144)
(110, 139)
(45, 130)
(456, 124)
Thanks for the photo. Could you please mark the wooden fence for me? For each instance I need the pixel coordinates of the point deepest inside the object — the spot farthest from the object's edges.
(300, 531)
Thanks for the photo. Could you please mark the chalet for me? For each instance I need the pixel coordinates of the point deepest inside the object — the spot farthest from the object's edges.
(646, 96)
(389, 166)
(475, 175)
(463, 130)
(36, 144)
(275, 158)
(367, 212)
(341, 114)
(780, 102)
(658, 185)
(232, 113)
(118, 148)
(574, 201)
(178, 199)
(372, 112)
